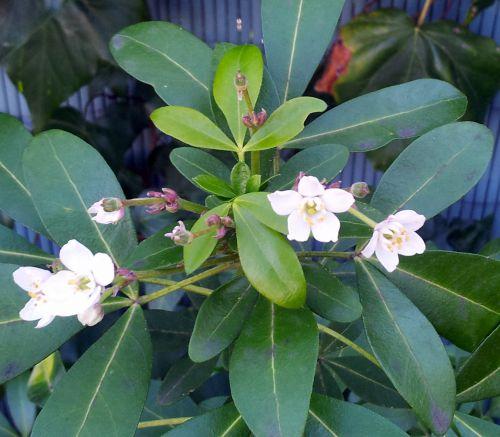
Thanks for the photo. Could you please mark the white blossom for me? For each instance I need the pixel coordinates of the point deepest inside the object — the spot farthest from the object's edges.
(311, 209)
(396, 236)
(103, 215)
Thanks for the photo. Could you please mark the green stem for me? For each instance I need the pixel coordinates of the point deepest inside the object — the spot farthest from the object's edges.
(162, 422)
(276, 161)
(349, 343)
(358, 214)
(142, 201)
(424, 12)
(188, 281)
(187, 205)
(193, 288)
(324, 253)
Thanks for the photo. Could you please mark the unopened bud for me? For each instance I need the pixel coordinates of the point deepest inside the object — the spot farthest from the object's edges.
(180, 235)
(221, 233)
(261, 117)
(360, 189)
(213, 220)
(56, 266)
(247, 121)
(227, 222)
(240, 82)
(111, 204)
(126, 274)
(170, 201)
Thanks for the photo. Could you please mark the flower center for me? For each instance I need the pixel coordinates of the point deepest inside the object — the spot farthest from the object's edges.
(311, 206)
(80, 283)
(396, 236)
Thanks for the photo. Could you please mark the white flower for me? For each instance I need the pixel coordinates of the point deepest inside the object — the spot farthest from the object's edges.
(396, 236)
(311, 208)
(74, 291)
(107, 211)
(92, 315)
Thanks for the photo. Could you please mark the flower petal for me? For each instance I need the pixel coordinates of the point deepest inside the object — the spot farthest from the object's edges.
(92, 315)
(108, 218)
(388, 259)
(30, 278)
(326, 228)
(33, 310)
(414, 245)
(337, 200)
(409, 219)
(103, 269)
(309, 186)
(284, 202)
(44, 321)
(76, 257)
(298, 228)
(369, 249)
(96, 207)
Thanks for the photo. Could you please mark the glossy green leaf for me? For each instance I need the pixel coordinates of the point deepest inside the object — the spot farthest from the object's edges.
(329, 297)
(193, 162)
(66, 176)
(214, 185)
(44, 377)
(479, 377)
(254, 183)
(331, 417)
(21, 409)
(115, 371)
(247, 60)
(435, 170)
(274, 361)
(328, 346)
(171, 59)
(325, 382)
(221, 318)
(15, 197)
(284, 123)
(453, 290)
(260, 207)
(470, 426)
(202, 247)
(375, 119)
(408, 348)
(240, 175)
(296, 36)
(37, 343)
(15, 249)
(182, 378)
(191, 127)
(269, 262)
(224, 421)
(6, 429)
(492, 249)
(324, 161)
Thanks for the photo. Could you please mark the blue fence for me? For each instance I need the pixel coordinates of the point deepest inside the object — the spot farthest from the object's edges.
(238, 21)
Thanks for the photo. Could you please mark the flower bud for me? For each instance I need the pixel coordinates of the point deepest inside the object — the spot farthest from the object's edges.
(180, 235)
(221, 233)
(227, 222)
(213, 220)
(111, 204)
(247, 121)
(170, 201)
(360, 189)
(261, 117)
(126, 274)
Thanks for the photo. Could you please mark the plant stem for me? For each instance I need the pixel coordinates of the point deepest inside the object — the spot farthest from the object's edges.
(143, 201)
(162, 422)
(187, 205)
(358, 214)
(193, 288)
(424, 12)
(276, 161)
(349, 343)
(324, 253)
(188, 281)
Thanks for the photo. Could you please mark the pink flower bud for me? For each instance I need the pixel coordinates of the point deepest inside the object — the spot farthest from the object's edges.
(261, 117)
(360, 189)
(227, 222)
(247, 121)
(180, 235)
(213, 220)
(127, 274)
(221, 233)
(170, 201)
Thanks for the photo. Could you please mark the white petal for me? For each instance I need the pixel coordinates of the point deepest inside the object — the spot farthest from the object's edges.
(92, 315)
(107, 218)
(76, 257)
(96, 207)
(388, 259)
(298, 228)
(337, 200)
(284, 202)
(326, 228)
(103, 269)
(409, 219)
(414, 245)
(44, 321)
(369, 249)
(33, 310)
(309, 186)
(30, 278)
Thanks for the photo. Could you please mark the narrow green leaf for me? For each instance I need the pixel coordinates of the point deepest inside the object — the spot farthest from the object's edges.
(247, 60)
(284, 123)
(408, 348)
(329, 346)
(220, 319)
(15, 249)
(214, 185)
(375, 119)
(107, 386)
(296, 36)
(435, 170)
(492, 249)
(479, 377)
(274, 361)
(325, 382)
(324, 161)
(202, 247)
(191, 127)
(470, 426)
(240, 175)
(21, 409)
(44, 377)
(6, 429)
(259, 205)
(172, 60)
(269, 262)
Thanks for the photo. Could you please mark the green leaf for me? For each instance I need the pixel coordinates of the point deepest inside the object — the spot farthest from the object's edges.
(214, 185)
(329, 297)
(470, 426)
(182, 378)
(247, 60)
(172, 60)
(44, 377)
(191, 127)
(202, 247)
(284, 123)
(492, 249)
(6, 429)
(15, 197)
(224, 421)
(435, 170)
(296, 36)
(325, 382)
(221, 318)
(260, 207)
(65, 43)
(387, 48)
(331, 417)
(375, 119)
(37, 343)
(324, 161)
(453, 290)
(366, 380)
(274, 361)
(21, 409)
(15, 249)
(409, 350)
(329, 345)
(479, 377)
(115, 371)
(269, 262)
(240, 175)
(66, 176)
(254, 183)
